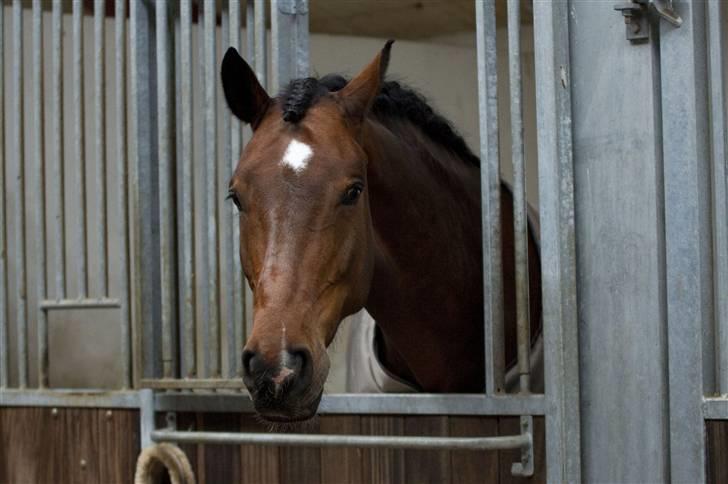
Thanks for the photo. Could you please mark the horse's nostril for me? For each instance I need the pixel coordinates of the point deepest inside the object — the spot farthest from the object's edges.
(251, 362)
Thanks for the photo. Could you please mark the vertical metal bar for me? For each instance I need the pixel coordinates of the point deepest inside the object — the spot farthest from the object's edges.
(186, 247)
(36, 184)
(520, 223)
(57, 221)
(261, 65)
(164, 153)
(146, 412)
(100, 143)
(121, 173)
(686, 157)
(209, 67)
(237, 286)
(289, 41)
(719, 176)
(556, 194)
(144, 194)
(18, 193)
(4, 358)
(490, 196)
(250, 26)
(80, 233)
(225, 215)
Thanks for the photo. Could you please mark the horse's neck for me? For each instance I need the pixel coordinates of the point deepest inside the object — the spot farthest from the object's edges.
(427, 289)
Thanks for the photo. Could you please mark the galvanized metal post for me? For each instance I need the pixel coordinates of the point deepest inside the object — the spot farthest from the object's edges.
(165, 158)
(18, 194)
(58, 219)
(79, 242)
(121, 173)
(619, 233)
(558, 254)
(719, 175)
(37, 186)
(490, 186)
(4, 319)
(186, 244)
(143, 193)
(689, 262)
(289, 41)
(146, 417)
(100, 146)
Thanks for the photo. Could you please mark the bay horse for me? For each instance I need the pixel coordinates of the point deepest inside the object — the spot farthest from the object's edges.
(356, 194)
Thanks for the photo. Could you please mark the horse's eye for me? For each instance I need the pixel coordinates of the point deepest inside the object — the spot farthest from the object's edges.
(234, 197)
(351, 195)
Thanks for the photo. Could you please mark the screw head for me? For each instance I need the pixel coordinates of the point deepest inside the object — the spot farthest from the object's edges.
(109, 414)
(54, 412)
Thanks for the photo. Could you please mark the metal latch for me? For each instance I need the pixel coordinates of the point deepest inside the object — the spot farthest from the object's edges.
(636, 17)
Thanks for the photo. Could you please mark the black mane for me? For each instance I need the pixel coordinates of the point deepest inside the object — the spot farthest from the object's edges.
(395, 100)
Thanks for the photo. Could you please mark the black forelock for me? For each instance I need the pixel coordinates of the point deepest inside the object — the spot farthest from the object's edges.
(394, 101)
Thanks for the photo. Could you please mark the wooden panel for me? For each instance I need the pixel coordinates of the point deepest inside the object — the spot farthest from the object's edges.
(72, 446)
(382, 466)
(341, 465)
(717, 436)
(301, 465)
(473, 467)
(427, 465)
(258, 464)
(221, 462)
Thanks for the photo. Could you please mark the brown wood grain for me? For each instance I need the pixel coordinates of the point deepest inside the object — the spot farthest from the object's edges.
(427, 466)
(222, 462)
(717, 437)
(258, 464)
(383, 466)
(473, 467)
(301, 465)
(341, 465)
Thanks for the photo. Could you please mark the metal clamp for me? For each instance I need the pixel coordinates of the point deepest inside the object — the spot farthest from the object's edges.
(525, 467)
(636, 17)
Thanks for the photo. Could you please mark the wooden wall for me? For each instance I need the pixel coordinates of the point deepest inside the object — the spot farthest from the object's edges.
(93, 446)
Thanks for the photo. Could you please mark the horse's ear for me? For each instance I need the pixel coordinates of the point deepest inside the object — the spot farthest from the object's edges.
(358, 95)
(246, 97)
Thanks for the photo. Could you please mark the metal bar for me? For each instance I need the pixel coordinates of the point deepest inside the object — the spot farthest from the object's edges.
(715, 408)
(4, 317)
(58, 226)
(143, 180)
(490, 196)
(259, 33)
(37, 186)
(146, 417)
(79, 241)
(690, 313)
(18, 194)
(226, 214)
(164, 154)
(193, 384)
(289, 41)
(251, 48)
(100, 144)
(80, 303)
(69, 398)
(719, 177)
(558, 266)
(121, 173)
(520, 222)
(235, 149)
(360, 441)
(360, 403)
(210, 73)
(186, 246)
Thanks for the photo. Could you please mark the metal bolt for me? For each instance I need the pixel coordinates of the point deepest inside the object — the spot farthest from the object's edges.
(83, 463)
(54, 412)
(109, 414)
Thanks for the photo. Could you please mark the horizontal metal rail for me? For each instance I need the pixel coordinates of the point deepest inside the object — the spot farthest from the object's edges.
(375, 404)
(715, 408)
(69, 398)
(520, 441)
(192, 384)
(79, 303)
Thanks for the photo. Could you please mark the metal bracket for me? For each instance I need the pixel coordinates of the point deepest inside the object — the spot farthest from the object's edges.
(636, 17)
(525, 467)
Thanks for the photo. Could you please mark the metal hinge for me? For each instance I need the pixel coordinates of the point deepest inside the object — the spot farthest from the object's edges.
(636, 17)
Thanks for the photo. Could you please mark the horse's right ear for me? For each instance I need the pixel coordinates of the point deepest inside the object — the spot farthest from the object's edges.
(245, 96)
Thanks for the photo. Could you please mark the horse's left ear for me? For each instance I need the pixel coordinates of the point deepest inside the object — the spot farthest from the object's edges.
(358, 95)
